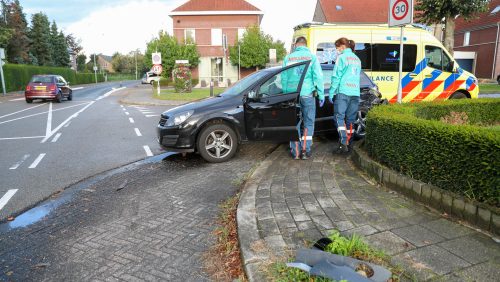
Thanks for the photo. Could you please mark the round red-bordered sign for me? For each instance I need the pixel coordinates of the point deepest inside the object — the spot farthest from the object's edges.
(394, 9)
(157, 69)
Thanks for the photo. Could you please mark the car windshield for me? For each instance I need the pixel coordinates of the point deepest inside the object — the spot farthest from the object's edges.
(243, 84)
(41, 79)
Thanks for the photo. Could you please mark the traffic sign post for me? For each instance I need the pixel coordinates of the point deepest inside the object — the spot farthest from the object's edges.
(400, 14)
(2, 57)
(157, 69)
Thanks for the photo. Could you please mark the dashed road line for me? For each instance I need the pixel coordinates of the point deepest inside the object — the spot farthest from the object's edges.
(137, 132)
(56, 137)
(37, 161)
(5, 199)
(148, 151)
(131, 120)
(127, 113)
(16, 165)
(151, 116)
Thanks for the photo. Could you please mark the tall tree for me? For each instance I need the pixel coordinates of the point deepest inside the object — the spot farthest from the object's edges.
(54, 33)
(80, 62)
(18, 44)
(254, 49)
(61, 51)
(40, 39)
(74, 44)
(437, 11)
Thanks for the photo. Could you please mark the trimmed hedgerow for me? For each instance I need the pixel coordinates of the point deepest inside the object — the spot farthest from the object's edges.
(18, 76)
(464, 159)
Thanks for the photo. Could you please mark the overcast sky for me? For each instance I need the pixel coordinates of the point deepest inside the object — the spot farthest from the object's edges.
(107, 26)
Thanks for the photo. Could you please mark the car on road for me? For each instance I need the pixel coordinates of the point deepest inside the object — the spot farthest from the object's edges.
(254, 109)
(48, 87)
(150, 78)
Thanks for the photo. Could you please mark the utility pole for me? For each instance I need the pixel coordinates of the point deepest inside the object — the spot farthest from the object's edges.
(95, 70)
(239, 62)
(136, 64)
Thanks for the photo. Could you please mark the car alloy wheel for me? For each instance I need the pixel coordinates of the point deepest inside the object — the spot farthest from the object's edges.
(360, 125)
(219, 144)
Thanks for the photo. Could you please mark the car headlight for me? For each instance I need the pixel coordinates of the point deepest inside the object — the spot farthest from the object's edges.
(179, 118)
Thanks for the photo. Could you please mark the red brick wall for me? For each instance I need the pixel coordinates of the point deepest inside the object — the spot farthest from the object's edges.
(483, 43)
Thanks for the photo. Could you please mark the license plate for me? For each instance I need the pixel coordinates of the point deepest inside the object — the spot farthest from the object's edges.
(41, 88)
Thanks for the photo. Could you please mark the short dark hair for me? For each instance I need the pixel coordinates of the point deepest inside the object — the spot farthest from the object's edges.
(301, 40)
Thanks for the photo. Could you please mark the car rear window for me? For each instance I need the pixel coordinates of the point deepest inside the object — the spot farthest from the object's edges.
(42, 79)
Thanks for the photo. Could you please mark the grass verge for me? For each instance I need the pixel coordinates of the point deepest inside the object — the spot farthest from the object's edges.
(198, 93)
(489, 88)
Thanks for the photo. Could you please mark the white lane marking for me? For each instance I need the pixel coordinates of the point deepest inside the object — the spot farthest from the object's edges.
(43, 113)
(127, 113)
(22, 110)
(121, 106)
(137, 132)
(37, 161)
(5, 199)
(131, 120)
(49, 121)
(66, 121)
(124, 109)
(18, 99)
(17, 138)
(151, 115)
(148, 112)
(67, 124)
(16, 165)
(148, 151)
(109, 93)
(57, 137)
(77, 88)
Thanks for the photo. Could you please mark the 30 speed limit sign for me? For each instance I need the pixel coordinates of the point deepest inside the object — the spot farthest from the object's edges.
(400, 12)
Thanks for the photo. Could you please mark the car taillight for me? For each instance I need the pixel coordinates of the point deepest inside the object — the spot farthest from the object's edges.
(28, 88)
(52, 87)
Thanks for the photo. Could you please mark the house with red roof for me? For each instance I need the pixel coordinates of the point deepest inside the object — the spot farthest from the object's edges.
(478, 42)
(214, 25)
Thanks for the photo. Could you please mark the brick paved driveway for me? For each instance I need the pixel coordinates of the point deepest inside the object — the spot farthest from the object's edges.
(151, 223)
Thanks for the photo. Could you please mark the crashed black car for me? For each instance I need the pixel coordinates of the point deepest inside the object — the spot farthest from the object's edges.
(254, 109)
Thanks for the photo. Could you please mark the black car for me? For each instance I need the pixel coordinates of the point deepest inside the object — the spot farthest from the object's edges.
(257, 108)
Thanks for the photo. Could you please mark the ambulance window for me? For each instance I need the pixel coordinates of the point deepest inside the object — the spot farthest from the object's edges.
(364, 53)
(447, 63)
(386, 57)
(326, 53)
(433, 55)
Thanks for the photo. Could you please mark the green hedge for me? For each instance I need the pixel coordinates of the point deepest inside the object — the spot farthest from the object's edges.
(464, 159)
(18, 76)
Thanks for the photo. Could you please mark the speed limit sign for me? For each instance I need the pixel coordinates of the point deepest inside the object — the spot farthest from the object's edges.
(157, 69)
(400, 12)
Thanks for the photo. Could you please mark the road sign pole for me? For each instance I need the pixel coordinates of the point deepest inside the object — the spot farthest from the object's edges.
(158, 89)
(3, 80)
(400, 83)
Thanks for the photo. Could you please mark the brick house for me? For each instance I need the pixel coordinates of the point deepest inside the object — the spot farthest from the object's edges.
(208, 23)
(104, 63)
(478, 42)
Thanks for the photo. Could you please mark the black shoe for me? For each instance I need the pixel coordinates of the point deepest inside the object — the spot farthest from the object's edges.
(305, 155)
(341, 149)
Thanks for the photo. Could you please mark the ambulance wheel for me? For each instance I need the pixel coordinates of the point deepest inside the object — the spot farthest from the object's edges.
(458, 95)
(217, 143)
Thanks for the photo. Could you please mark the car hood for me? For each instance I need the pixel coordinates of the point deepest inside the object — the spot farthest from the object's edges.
(205, 104)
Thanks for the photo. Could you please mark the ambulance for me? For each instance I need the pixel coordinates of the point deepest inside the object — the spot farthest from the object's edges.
(429, 71)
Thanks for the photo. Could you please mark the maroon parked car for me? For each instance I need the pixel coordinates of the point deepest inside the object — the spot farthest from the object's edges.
(45, 87)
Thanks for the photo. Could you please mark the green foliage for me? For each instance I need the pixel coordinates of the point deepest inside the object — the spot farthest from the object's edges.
(182, 79)
(40, 36)
(170, 51)
(80, 62)
(254, 49)
(5, 36)
(18, 44)
(460, 158)
(18, 76)
(433, 11)
(59, 55)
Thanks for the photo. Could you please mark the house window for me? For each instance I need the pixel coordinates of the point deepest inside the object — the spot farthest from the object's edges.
(466, 38)
(241, 32)
(217, 37)
(189, 36)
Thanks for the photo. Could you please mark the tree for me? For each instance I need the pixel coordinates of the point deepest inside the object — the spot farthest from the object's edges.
(254, 49)
(122, 63)
(80, 62)
(60, 55)
(17, 48)
(170, 51)
(74, 44)
(40, 37)
(437, 11)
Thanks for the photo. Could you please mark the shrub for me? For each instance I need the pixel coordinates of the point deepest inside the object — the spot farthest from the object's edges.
(18, 76)
(464, 159)
(182, 79)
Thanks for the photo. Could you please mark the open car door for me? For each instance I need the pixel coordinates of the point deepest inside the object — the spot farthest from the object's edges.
(271, 109)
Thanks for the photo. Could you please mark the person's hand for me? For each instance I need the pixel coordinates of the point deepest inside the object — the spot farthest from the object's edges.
(330, 99)
(321, 103)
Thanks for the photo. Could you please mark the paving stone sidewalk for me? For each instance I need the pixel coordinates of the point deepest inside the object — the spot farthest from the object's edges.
(142, 95)
(295, 201)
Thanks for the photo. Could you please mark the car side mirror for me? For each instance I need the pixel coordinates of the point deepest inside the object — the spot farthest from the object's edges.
(252, 95)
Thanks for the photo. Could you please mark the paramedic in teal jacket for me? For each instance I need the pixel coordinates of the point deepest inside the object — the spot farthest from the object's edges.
(345, 88)
(313, 82)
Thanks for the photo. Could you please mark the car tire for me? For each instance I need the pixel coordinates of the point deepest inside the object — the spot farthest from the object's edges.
(29, 101)
(217, 143)
(152, 82)
(458, 95)
(70, 96)
(360, 124)
(59, 97)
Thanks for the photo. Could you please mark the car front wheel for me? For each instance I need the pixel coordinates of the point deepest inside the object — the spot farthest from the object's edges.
(70, 96)
(360, 124)
(217, 143)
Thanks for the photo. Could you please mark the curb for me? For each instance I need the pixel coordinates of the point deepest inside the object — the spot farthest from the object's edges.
(480, 215)
(248, 232)
(142, 103)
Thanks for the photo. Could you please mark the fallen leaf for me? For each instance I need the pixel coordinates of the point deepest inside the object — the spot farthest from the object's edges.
(9, 273)
(426, 242)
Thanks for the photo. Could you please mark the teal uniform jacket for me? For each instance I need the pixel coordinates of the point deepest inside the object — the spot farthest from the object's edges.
(346, 74)
(314, 76)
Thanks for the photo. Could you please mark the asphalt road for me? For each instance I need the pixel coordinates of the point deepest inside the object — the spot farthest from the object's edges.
(45, 147)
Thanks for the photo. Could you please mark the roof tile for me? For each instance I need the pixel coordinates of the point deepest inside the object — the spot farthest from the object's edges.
(216, 5)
